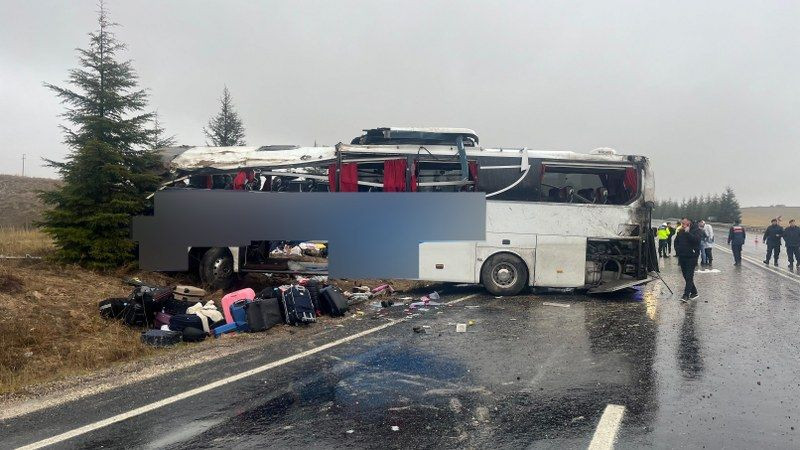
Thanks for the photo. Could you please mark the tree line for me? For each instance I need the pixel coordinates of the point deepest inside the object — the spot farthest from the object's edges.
(718, 207)
(112, 164)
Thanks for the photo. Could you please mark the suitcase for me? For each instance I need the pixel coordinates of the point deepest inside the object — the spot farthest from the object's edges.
(160, 338)
(263, 314)
(173, 306)
(332, 301)
(133, 315)
(192, 334)
(227, 328)
(187, 298)
(229, 299)
(180, 322)
(296, 304)
(238, 313)
(162, 318)
(190, 291)
(111, 308)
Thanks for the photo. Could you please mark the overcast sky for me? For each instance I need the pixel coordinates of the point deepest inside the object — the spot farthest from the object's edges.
(710, 91)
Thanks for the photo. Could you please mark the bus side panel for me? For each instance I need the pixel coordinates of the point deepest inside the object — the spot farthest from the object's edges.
(560, 261)
(447, 261)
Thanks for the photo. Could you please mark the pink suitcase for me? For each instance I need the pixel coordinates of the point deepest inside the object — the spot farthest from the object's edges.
(228, 300)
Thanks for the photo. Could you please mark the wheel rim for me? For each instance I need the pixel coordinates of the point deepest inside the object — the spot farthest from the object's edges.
(222, 267)
(504, 274)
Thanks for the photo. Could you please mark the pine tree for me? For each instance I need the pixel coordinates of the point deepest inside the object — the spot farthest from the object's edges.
(225, 129)
(110, 169)
(159, 138)
(729, 207)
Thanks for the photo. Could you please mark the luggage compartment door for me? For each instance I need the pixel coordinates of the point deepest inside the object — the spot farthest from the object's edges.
(560, 261)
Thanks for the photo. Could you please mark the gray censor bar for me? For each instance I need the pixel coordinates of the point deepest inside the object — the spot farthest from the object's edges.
(369, 234)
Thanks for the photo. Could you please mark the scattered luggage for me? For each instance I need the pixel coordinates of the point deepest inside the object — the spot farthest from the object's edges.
(192, 334)
(263, 314)
(238, 312)
(112, 308)
(161, 338)
(332, 301)
(180, 322)
(297, 307)
(189, 291)
(229, 299)
(175, 306)
(162, 319)
(133, 315)
(225, 328)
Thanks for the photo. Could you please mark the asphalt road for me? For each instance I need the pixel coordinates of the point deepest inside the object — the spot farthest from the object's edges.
(721, 371)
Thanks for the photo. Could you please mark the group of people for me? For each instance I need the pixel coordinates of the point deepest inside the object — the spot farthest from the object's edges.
(693, 240)
(666, 232)
(790, 236)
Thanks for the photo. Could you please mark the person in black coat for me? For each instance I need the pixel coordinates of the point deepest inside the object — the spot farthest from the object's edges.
(772, 237)
(736, 238)
(791, 235)
(687, 247)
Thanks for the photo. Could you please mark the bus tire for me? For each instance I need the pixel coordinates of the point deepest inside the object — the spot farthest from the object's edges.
(216, 268)
(504, 274)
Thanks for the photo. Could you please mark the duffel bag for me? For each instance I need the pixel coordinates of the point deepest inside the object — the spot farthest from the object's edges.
(192, 334)
(263, 314)
(161, 338)
(332, 301)
(111, 308)
(179, 322)
(161, 319)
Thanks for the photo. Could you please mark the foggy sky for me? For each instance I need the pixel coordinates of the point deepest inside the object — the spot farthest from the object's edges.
(708, 90)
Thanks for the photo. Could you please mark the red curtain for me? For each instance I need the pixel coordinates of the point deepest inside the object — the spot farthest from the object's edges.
(473, 171)
(631, 181)
(348, 177)
(394, 175)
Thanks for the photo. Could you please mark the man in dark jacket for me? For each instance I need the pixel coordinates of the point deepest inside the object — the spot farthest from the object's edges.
(687, 247)
(791, 235)
(736, 238)
(772, 237)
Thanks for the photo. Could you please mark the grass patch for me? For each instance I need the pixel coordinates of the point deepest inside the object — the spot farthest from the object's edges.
(24, 241)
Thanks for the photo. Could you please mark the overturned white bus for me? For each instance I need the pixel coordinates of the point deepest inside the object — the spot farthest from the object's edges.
(553, 218)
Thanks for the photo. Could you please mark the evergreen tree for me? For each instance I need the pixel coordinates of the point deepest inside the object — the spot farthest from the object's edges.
(225, 129)
(110, 169)
(729, 207)
(159, 138)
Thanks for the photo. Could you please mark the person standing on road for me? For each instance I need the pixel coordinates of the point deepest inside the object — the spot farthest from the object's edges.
(708, 243)
(678, 228)
(772, 237)
(671, 236)
(663, 238)
(687, 247)
(791, 236)
(736, 238)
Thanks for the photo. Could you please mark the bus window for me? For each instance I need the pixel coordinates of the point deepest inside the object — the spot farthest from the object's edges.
(429, 172)
(590, 184)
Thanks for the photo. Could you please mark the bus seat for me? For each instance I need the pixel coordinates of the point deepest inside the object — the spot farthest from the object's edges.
(588, 194)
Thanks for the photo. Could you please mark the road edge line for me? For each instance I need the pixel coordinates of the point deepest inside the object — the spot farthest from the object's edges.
(607, 428)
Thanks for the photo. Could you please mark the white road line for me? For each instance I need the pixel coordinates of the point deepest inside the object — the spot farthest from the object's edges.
(205, 388)
(757, 263)
(607, 428)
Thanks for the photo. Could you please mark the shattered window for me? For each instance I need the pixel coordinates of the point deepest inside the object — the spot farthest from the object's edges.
(588, 185)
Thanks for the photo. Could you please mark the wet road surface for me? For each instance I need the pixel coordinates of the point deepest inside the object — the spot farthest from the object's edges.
(722, 371)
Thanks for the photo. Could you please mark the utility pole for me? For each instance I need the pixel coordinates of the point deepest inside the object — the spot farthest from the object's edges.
(23, 164)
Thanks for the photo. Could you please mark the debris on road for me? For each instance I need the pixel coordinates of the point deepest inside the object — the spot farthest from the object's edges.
(461, 328)
(395, 428)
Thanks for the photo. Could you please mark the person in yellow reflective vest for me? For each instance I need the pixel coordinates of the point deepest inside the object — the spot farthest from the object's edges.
(663, 239)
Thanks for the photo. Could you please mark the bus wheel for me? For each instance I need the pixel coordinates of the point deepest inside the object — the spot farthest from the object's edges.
(504, 274)
(216, 268)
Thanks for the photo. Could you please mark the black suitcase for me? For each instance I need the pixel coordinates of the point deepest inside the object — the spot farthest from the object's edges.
(263, 314)
(133, 315)
(332, 301)
(192, 334)
(111, 308)
(296, 304)
(180, 322)
(174, 306)
(160, 338)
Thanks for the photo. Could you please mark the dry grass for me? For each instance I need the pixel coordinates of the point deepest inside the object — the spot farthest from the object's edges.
(24, 241)
(51, 327)
(759, 216)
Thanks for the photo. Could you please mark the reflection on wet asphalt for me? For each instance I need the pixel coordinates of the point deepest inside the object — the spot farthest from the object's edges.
(721, 371)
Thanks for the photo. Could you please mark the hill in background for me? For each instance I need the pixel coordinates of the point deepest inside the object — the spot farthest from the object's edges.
(759, 216)
(18, 201)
